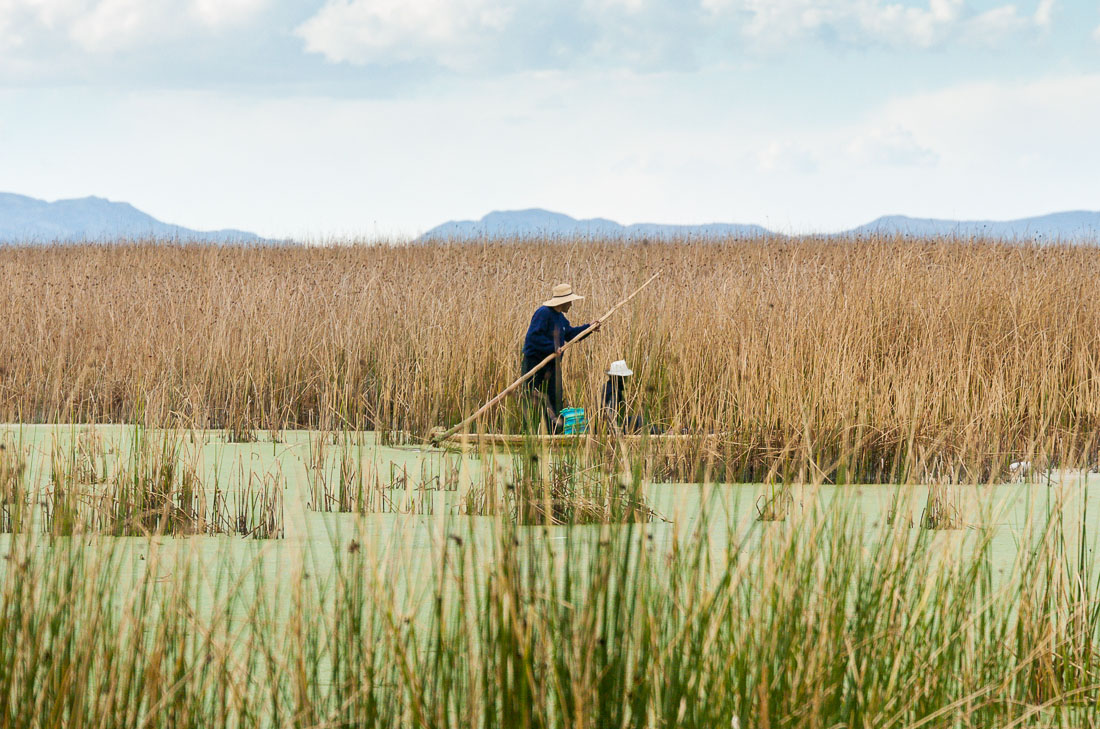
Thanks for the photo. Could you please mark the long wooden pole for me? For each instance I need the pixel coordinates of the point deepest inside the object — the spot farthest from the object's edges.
(550, 358)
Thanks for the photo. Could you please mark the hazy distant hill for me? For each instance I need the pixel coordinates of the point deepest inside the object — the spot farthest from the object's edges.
(1078, 226)
(536, 222)
(28, 220)
(1069, 226)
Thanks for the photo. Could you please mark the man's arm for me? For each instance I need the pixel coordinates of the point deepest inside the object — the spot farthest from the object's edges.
(572, 332)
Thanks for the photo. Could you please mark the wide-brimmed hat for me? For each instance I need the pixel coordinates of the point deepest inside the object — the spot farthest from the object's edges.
(563, 294)
(619, 369)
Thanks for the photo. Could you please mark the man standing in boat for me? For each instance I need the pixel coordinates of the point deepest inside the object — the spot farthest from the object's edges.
(549, 330)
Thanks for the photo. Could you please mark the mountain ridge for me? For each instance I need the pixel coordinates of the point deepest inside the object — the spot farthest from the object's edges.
(1070, 224)
(25, 219)
(532, 222)
(1073, 226)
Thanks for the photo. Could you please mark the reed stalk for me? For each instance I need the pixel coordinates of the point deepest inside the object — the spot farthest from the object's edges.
(855, 357)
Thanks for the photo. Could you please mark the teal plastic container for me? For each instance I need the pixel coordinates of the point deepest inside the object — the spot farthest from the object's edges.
(575, 422)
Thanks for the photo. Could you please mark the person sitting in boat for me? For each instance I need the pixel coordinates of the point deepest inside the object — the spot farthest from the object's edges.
(614, 399)
(548, 332)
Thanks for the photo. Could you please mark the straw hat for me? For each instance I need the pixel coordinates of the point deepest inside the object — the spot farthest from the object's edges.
(563, 294)
(619, 369)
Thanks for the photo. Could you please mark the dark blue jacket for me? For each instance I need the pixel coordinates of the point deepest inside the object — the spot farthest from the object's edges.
(548, 331)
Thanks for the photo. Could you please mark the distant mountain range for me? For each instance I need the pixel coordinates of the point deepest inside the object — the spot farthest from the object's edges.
(28, 220)
(536, 222)
(1076, 225)
(1080, 226)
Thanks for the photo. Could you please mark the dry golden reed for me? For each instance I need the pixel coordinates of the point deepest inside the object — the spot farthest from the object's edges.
(836, 359)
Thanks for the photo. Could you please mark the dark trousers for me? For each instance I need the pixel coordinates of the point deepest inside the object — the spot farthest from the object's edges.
(544, 392)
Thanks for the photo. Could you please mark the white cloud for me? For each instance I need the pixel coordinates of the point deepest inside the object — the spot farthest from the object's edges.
(384, 31)
(630, 6)
(916, 26)
(993, 26)
(1017, 135)
(876, 22)
(112, 24)
(891, 145)
(1044, 13)
(786, 157)
(464, 34)
(221, 13)
(103, 26)
(512, 35)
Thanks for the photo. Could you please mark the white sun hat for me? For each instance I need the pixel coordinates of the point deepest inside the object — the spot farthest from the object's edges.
(562, 294)
(619, 369)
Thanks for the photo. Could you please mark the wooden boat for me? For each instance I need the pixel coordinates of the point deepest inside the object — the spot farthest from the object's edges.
(514, 441)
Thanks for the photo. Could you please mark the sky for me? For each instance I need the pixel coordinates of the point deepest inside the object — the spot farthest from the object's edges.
(320, 119)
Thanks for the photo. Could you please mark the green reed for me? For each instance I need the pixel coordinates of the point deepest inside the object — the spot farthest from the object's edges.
(818, 621)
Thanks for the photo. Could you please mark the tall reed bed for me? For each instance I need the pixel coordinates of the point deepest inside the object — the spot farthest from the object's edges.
(818, 622)
(856, 360)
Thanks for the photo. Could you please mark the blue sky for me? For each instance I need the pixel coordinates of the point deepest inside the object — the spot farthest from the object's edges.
(326, 118)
